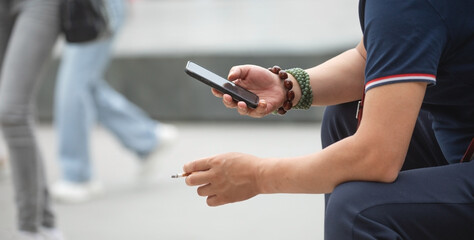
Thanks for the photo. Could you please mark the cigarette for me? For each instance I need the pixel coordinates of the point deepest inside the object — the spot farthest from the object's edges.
(180, 175)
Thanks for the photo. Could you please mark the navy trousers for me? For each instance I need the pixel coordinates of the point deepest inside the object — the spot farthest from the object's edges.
(430, 199)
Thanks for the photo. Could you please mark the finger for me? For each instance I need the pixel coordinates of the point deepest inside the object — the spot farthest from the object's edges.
(213, 201)
(198, 178)
(260, 111)
(261, 107)
(239, 72)
(235, 73)
(228, 101)
(242, 108)
(195, 166)
(205, 190)
(216, 93)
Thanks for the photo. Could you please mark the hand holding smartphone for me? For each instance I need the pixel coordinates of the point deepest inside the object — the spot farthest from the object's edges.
(221, 84)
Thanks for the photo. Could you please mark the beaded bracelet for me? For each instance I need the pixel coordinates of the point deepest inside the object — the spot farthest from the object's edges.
(290, 95)
(302, 77)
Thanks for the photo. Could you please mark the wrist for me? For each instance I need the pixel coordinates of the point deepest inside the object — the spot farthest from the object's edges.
(296, 89)
(262, 176)
(288, 94)
(305, 100)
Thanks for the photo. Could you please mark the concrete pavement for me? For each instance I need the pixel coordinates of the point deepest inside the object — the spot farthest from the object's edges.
(165, 208)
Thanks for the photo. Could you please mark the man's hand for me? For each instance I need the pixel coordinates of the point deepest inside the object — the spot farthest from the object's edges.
(224, 178)
(260, 81)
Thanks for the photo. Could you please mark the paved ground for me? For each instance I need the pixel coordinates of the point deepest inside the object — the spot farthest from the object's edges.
(165, 208)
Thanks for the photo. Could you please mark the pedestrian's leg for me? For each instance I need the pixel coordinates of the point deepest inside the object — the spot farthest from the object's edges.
(75, 111)
(6, 25)
(31, 42)
(131, 125)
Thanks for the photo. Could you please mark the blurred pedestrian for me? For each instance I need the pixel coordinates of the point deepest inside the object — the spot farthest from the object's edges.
(83, 98)
(28, 31)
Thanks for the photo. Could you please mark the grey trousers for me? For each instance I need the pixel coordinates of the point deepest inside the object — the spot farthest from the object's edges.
(28, 31)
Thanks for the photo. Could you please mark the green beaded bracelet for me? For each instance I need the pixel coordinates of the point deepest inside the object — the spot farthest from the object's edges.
(302, 77)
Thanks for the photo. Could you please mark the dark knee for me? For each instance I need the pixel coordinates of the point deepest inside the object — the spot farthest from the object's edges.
(338, 122)
(344, 204)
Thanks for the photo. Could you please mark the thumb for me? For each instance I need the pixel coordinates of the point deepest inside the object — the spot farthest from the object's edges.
(238, 72)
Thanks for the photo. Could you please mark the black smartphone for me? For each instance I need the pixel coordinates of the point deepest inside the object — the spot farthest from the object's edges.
(223, 85)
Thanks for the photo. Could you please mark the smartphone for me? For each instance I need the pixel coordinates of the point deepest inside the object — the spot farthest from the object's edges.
(221, 84)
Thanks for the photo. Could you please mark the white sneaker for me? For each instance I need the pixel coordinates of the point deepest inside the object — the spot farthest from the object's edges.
(166, 135)
(52, 233)
(25, 235)
(70, 192)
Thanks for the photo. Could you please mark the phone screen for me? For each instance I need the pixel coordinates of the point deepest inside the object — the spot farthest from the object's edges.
(223, 85)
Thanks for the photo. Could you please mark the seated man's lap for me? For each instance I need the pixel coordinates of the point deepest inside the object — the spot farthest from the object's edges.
(430, 198)
(427, 203)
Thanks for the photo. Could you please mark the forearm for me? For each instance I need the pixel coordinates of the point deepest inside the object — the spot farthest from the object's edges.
(347, 160)
(319, 172)
(376, 152)
(338, 80)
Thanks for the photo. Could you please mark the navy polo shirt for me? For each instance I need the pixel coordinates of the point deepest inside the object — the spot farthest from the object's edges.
(426, 41)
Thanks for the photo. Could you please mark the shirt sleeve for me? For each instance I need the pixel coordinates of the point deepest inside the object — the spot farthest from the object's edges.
(404, 42)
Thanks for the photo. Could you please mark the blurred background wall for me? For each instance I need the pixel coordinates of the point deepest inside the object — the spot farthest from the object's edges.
(160, 36)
